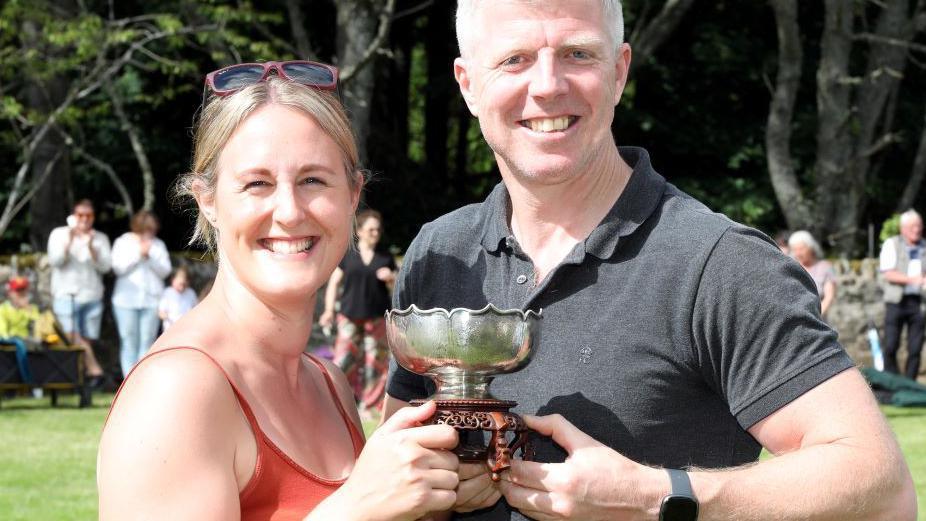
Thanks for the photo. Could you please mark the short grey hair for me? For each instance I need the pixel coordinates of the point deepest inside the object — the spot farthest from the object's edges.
(466, 13)
(908, 217)
(804, 237)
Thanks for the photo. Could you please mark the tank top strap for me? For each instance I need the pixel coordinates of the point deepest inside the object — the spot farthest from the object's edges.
(356, 436)
(252, 420)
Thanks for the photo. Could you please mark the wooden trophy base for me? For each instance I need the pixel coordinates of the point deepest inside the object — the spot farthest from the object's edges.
(485, 415)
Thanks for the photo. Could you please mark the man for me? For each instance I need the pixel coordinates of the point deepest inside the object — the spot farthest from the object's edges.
(902, 270)
(79, 256)
(671, 337)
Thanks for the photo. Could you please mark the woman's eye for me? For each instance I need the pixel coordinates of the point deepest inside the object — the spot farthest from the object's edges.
(312, 181)
(256, 184)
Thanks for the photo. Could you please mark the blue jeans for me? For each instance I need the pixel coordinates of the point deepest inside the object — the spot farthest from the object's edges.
(87, 314)
(138, 329)
(22, 359)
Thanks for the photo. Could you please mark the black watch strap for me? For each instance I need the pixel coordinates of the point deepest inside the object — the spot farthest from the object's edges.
(680, 504)
(681, 484)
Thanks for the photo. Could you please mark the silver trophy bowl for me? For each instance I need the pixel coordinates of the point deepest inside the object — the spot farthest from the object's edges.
(462, 350)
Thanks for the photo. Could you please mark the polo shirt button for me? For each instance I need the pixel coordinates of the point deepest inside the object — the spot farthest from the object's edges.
(522, 279)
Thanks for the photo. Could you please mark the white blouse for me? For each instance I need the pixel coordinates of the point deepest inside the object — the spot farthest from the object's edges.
(74, 271)
(139, 281)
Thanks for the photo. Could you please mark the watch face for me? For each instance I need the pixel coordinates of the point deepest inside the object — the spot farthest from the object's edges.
(678, 508)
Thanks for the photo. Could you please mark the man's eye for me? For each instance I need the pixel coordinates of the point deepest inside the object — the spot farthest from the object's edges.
(581, 55)
(514, 60)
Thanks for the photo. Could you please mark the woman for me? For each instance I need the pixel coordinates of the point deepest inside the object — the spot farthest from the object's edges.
(360, 349)
(805, 250)
(227, 418)
(79, 256)
(140, 262)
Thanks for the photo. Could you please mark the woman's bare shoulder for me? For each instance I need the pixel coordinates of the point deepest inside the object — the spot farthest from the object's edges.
(176, 416)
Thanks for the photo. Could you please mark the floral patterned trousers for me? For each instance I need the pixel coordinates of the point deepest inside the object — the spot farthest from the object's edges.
(360, 351)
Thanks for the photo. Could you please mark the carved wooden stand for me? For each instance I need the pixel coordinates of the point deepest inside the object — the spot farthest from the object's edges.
(493, 416)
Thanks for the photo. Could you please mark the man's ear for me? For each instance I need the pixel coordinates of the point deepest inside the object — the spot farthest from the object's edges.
(462, 75)
(205, 199)
(622, 70)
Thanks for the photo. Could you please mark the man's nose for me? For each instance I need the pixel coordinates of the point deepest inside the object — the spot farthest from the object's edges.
(547, 79)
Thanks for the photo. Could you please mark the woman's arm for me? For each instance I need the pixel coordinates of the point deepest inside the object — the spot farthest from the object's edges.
(125, 255)
(169, 447)
(331, 296)
(829, 296)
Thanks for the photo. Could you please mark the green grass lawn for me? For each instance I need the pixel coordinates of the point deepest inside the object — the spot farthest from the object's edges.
(48, 456)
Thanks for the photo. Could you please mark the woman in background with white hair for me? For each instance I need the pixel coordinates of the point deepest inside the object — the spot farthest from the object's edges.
(805, 250)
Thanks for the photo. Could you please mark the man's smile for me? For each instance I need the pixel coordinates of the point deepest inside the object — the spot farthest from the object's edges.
(556, 124)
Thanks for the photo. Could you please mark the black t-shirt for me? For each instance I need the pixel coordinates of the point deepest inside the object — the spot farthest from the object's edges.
(666, 334)
(364, 296)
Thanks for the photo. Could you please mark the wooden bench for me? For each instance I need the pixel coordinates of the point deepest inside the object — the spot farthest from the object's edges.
(53, 370)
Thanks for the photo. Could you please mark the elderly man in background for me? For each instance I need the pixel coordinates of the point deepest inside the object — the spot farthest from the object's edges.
(902, 273)
(675, 343)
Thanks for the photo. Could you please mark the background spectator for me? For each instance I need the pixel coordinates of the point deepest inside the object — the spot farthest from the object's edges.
(140, 261)
(177, 299)
(901, 266)
(360, 349)
(805, 249)
(79, 256)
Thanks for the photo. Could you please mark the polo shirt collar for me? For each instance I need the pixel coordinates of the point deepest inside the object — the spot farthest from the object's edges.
(640, 198)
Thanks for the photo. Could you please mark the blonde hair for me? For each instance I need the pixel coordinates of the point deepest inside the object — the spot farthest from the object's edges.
(222, 115)
(612, 12)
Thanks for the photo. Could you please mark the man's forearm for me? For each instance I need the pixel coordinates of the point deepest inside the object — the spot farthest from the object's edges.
(836, 481)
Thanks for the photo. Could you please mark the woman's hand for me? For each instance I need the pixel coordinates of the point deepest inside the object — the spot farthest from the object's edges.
(385, 274)
(404, 472)
(326, 319)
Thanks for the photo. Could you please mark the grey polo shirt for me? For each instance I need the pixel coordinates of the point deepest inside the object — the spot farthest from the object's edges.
(666, 333)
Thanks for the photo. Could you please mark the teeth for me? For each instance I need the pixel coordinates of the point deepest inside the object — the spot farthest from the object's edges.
(290, 247)
(549, 124)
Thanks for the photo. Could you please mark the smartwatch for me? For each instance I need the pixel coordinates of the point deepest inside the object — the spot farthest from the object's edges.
(681, 504)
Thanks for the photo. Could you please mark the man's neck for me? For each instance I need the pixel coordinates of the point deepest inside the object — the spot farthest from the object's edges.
(548, 220)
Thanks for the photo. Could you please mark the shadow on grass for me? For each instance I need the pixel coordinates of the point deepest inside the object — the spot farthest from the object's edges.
(66, 400)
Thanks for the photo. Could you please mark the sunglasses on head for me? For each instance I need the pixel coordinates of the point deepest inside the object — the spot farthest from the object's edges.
(231, 79)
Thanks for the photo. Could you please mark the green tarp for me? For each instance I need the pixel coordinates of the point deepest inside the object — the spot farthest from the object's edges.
(893, 389)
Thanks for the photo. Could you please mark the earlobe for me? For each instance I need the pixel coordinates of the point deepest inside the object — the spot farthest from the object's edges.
(465, 82)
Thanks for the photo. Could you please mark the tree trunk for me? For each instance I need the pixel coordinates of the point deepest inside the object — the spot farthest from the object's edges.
(50, 205)
(833, 122)
(784, 179)
(147, 175)
(362, 28)
(303, 46)
(915, 182)
(649, 35)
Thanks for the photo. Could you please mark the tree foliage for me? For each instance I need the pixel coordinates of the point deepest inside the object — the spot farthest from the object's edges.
(97, 98)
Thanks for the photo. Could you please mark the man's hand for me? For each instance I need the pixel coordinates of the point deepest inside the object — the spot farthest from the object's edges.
(594, 482)
(476, 489)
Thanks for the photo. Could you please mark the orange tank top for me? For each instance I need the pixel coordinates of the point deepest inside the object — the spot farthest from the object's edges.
(280, 489)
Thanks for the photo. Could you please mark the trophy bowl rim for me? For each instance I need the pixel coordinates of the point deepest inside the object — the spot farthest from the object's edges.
(489, 308)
